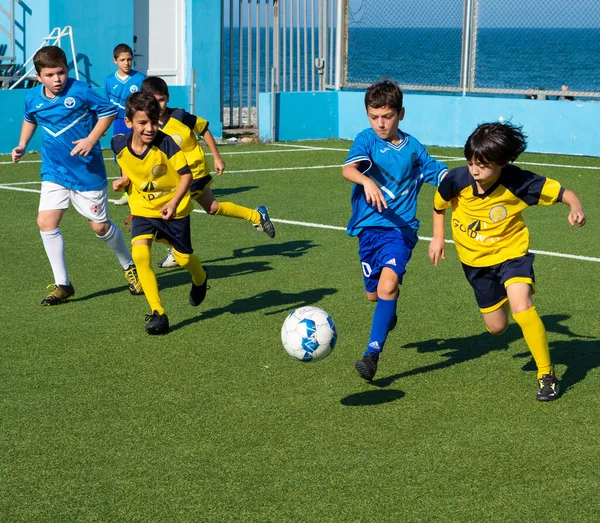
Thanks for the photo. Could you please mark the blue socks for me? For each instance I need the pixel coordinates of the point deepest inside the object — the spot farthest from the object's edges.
(383, 320)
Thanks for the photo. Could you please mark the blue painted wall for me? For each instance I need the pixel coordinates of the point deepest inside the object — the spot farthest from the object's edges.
(552, 126)
(97, 28)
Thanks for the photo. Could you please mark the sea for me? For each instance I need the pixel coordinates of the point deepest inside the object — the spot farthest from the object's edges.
(506, 58)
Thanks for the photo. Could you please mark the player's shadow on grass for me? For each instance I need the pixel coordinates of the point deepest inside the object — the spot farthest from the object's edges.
(291, 249)
(372, 397)
(219, 193)
(579, 356)
(460, 350)
(103, 292)
(265, 300)
(176, 277)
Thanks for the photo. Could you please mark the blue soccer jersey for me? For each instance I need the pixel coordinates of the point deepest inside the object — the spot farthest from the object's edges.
(118, 89)
(399, 171)
(69, 116)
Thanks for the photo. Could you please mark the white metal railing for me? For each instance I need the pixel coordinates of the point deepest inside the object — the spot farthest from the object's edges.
(287, 45)
(54, 38)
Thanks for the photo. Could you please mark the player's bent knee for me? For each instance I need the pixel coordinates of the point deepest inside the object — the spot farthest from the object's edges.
(213, 208)
(497, 330)
(100, 228)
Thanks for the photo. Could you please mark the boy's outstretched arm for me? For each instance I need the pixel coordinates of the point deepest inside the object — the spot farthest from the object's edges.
(120, 184)
(85, 145)
(212, 145)
(169, 210)
(576, 215)
(27, 130)
(437, 247)
(373, 194)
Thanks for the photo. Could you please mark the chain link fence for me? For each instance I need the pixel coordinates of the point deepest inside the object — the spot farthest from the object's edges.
(537, 48)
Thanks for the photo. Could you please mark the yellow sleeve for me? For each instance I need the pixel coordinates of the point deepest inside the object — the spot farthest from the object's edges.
(439, 204)
(550, 192)
(201, 126)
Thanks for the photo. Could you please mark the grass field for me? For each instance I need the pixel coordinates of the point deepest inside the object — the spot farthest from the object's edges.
(215, 422)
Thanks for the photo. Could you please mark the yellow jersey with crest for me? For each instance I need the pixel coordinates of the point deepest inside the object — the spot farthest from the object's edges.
(488, 228)
(184, 128)
(154, 175)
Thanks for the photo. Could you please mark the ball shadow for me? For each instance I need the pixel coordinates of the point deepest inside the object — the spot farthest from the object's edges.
(372, 397)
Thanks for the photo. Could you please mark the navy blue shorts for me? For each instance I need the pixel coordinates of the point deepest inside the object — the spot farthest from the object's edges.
(176, 233)
(199, 185)
(489, 283)
(379, 247)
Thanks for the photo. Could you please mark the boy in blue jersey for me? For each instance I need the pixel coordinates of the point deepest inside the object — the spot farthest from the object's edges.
(388, 168)
(118, 86)
(487, 198)
(73, 118)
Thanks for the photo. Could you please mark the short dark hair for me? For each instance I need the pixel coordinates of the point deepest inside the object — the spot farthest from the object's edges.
(50, 56)
(155, 85)
(142, 102)
(122, 48)
(496, 142)
(384, 93)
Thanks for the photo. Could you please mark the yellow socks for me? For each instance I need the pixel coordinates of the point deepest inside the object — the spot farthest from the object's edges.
(535, 337)
(191, 264)
(237, 211)
(141, 256)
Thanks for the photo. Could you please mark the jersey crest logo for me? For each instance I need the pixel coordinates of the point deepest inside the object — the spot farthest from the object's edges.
(148, 186)
(498, 213)
(159, 170)
(69, 102)
(133, 89)
(475, 226)
(177, 138)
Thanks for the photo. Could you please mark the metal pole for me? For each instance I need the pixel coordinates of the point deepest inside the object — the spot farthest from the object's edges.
(241, 65)
(249, 77)
(473, 40)
(339, 31)
(70, 30)
(230, 63)
(284, 49)
(305, 49)
(330, 24)
(291, 32)
(276, 37)
(298, 45)
(193, 92)
(257, 60)
(273, 104)
(267, 46)
(221, 91)
(312, 57)
(466, 36)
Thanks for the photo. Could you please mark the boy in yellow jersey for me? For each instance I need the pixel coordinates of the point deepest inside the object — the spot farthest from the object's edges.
(159, 201)
(492, 241)
(185, 128)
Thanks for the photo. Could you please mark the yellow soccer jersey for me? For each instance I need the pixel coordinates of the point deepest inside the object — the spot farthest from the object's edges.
(488, 228)
(154, 175)
(183, 128)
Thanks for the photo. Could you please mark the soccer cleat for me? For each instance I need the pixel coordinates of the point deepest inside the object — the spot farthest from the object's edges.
(157, 323)
(549, 388)
(131, 275)
(59, 294)
(123, 200)
(367, 367)
(168, 261)
(198, 292)
(266, 225)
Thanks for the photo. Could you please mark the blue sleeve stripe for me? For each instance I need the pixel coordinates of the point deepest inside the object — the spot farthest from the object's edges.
(107, 114)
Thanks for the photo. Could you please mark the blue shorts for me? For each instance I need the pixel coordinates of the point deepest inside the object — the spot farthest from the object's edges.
(176, 233)
(199, 185)
(489, 283)
(379, 247)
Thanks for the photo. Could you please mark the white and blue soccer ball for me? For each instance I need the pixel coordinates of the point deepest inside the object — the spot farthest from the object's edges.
(308, 334)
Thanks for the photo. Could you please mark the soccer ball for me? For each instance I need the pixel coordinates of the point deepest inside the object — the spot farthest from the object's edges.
(308, 334)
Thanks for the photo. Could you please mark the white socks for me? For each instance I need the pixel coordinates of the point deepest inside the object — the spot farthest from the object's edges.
(55, 250)
(114, 239)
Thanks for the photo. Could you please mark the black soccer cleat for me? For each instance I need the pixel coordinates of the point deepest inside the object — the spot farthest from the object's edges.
(157, 323)
(59, 294)
(198, 292)
(549, 388)
(266, 225)
(367, 366)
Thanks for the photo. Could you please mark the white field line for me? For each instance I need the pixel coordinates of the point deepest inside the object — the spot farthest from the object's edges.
(338, 228)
